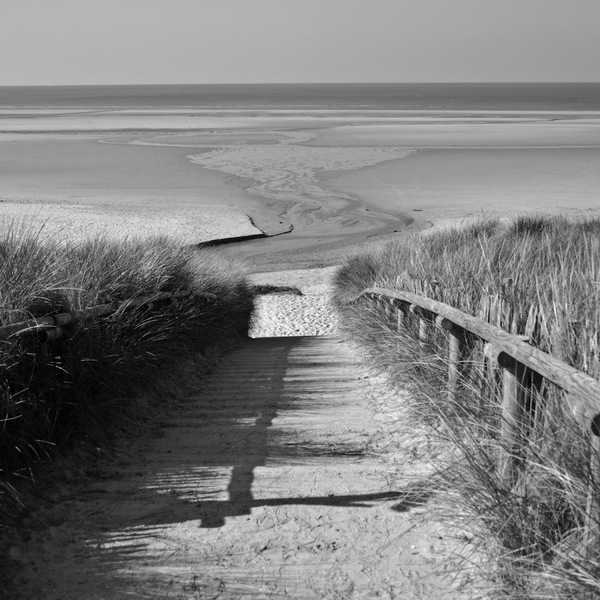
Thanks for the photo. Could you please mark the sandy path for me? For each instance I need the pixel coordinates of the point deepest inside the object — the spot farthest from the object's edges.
(284, 478)
(292, 315)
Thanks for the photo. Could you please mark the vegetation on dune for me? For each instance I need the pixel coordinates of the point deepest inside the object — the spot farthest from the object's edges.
(96, 384)
(536, 275)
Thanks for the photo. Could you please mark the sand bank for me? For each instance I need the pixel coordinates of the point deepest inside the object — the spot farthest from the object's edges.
(101, 121)
(340, 180)
(466, 132)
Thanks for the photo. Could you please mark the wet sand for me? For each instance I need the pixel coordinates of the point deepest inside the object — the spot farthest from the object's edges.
(339, 180)
(441, 185)
(78, 185)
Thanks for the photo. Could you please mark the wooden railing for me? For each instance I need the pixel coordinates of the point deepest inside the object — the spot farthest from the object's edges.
(52, 327)
(518, 360)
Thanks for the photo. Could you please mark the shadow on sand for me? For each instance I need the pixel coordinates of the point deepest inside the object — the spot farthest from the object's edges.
(203, 470)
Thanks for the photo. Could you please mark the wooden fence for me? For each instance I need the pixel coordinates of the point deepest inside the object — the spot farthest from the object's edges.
(523, 367)
(52, 327)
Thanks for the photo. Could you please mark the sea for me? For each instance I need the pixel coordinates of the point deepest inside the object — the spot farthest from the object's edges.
(577, 97)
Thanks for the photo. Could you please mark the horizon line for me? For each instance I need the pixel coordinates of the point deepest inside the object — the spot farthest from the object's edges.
(293, 83)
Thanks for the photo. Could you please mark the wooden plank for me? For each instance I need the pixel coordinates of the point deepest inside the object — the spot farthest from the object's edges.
(584, 391)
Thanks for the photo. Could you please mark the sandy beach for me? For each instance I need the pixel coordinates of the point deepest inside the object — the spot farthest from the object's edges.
(335, 180)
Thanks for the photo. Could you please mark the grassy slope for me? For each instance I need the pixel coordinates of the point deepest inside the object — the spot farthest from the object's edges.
(533, 532)
(99, 385)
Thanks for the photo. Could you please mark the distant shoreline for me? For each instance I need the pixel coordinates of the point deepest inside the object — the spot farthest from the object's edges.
(306, 96)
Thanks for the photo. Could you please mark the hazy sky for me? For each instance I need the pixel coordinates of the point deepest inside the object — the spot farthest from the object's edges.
(229, 41)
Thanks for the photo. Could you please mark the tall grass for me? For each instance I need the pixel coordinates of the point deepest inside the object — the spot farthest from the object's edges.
(100, 381)
(547, 268)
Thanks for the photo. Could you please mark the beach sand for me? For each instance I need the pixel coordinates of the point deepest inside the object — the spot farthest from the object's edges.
(289, 314)
(338, 181)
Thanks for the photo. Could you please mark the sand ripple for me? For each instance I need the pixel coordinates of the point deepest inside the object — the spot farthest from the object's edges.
(289, 171)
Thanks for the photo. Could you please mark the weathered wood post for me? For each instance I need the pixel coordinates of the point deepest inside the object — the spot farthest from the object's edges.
(423, 329)
(423, 326)
(455, 340)
(379, 302)
(513, 416)
(591, 538)
(389, 308)
(402, 314)
(513, 413)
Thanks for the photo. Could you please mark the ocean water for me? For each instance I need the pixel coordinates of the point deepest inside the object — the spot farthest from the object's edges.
(355, 96)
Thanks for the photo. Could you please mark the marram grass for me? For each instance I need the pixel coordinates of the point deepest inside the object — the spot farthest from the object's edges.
(99, 383)
(531, 534)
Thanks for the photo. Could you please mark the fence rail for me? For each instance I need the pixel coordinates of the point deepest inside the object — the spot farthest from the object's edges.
(518, 361)
(52, 325)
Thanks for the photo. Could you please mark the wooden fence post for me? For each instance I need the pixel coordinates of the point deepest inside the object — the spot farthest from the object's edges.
(591, 537)
(455, 340)
(513, 412)
(423, 325)
(514, 398)
(389, 308)
(402, 315)
(423, 333)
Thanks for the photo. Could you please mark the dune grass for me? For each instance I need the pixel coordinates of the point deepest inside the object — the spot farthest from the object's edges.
(548, 268)
(98, 384)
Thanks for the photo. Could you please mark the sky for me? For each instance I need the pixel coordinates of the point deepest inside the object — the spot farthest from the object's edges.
(61, 42)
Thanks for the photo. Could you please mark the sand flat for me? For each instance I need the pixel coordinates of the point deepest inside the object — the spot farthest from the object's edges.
(481, 132)
(441, 184)
(78, 186)
(338, 179)
(101, 121)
